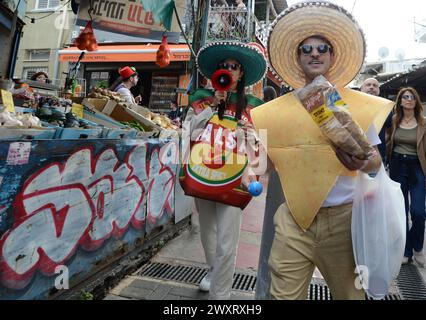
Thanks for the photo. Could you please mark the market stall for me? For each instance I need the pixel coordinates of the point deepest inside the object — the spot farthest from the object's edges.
(84, 182)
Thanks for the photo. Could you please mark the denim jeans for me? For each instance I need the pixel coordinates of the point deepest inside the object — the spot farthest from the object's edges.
(408, 172)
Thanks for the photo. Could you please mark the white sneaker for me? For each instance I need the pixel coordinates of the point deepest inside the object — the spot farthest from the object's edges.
(405, 260)
(205, 282)
(419, 258)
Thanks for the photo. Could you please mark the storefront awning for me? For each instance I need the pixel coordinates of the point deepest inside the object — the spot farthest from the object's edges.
(125, 53)
(415, 78)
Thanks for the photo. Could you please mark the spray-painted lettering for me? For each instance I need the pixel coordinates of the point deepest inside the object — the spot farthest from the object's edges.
(81, 203)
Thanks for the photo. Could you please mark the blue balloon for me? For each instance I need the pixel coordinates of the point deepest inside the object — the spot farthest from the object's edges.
(255, 188)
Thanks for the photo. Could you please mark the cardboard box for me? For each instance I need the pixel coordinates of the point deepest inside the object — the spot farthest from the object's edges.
(77, 99)
(102, 119)
(145, 122)
(139, 109)
(121, 113)
(99, 104)
(95, 115)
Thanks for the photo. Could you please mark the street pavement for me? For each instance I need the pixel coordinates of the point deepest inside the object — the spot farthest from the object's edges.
(186, 249)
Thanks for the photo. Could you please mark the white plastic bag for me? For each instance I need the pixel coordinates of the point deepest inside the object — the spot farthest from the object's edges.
(378, 231)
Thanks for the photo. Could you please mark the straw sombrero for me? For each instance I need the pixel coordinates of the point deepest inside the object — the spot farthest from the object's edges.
(322, 18)
(252, 59)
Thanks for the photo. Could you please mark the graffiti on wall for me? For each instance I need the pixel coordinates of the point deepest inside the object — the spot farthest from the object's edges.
(80, 203)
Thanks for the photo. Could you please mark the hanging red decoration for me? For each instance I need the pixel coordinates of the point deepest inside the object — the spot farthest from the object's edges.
(86, 39)
(163, 54)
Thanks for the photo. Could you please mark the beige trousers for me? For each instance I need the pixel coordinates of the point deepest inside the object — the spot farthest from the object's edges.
(220, 231)
(327, 244)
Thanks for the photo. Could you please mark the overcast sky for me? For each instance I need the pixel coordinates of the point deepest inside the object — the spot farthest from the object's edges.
(388, 23)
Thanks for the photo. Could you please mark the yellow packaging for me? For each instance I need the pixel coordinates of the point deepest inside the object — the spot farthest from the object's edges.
(329, 112)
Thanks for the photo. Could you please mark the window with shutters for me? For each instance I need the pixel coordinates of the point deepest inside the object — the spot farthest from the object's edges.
(47, 4)
(39, 55)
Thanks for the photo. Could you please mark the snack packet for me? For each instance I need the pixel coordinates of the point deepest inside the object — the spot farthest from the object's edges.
(329, 112)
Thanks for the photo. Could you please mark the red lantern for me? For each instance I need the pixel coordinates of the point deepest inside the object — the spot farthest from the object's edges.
(163, 54)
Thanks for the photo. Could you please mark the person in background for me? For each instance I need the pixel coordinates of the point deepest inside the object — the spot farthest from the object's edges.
(240, 16)
(407, 165)
(218, 20)
(41, 77)
(269, 93)
(175, 113)
(372, 86)
(130, 79)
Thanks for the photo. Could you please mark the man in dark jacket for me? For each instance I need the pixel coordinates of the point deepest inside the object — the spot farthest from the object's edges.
(372, 86)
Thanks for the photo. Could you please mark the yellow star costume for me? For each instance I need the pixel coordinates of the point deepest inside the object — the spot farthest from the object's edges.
(306, 164)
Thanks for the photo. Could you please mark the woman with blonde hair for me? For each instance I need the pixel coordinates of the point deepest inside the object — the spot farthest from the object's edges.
(406, 151)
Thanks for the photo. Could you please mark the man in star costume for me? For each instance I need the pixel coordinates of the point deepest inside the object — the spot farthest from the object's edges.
(313, 226)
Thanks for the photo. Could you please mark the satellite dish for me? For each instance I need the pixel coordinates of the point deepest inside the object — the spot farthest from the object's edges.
(400, 54)
(383, 52)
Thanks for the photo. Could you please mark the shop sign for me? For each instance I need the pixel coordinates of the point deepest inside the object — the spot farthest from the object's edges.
(129, 17)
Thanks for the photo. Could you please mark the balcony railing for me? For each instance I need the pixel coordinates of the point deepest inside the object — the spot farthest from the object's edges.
(261, 30)
(229, 23)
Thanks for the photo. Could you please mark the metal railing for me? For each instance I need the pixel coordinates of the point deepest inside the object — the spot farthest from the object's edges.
(229, 23)
(226, 23)
(261, 30)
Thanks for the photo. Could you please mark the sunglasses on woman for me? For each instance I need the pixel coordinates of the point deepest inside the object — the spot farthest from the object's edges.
(407, 97)
(308, 48)
(229, 66)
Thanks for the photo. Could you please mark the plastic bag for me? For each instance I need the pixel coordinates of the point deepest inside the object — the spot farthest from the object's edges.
(378, 231)
(328, 110)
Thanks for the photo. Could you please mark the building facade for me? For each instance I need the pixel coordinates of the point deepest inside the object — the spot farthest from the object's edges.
(48, 29)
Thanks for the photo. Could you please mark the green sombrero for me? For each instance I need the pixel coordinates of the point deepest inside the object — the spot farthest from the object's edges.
(250, 57)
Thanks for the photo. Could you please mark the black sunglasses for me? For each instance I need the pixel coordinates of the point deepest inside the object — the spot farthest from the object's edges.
(308, 48)
(229, 66)
(408, 97)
